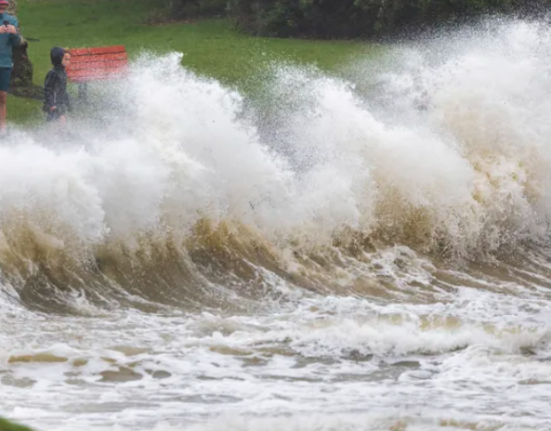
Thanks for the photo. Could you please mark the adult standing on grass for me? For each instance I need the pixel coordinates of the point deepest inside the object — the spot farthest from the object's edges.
(9, 37)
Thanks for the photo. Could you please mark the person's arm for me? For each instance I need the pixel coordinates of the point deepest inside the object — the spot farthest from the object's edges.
(50, 91)
(68, 102)
(13, 29)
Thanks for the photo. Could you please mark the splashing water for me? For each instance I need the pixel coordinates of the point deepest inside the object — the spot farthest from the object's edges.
(362, 252)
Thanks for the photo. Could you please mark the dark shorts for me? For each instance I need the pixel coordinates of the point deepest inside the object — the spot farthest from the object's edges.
(5, 77)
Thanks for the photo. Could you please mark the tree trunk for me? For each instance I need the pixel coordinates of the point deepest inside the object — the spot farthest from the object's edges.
(12, 8)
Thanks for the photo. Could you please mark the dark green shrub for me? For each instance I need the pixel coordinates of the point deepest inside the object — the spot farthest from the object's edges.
(363, 18)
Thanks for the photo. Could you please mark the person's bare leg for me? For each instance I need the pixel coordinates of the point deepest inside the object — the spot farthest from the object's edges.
(59, 124)
(3, 110)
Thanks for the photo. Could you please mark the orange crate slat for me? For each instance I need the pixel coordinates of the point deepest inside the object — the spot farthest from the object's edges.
(108, 50)
(74, 70)
(98, 58)
(96, 66)
(98, 50)
(78, 51)
(96, 73)
(84, 79)
(88, 74)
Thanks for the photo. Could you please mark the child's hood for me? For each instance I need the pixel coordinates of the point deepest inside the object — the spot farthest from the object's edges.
(56, 55)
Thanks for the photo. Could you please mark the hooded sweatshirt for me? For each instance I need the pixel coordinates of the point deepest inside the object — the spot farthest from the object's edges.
(8, 41)
(55, 84)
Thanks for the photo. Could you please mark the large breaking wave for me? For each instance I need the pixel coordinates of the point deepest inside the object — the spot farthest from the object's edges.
(178, 190)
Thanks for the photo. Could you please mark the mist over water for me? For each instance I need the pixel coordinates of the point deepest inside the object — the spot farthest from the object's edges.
(359, 251)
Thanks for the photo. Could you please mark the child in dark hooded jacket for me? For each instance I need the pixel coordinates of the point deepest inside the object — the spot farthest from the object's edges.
(56, 99)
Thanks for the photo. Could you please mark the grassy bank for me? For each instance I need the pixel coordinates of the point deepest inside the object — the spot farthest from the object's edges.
(211, 47)
(6, 425)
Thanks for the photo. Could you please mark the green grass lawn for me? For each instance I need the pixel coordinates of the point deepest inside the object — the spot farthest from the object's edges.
(211, 47)
(6, 425)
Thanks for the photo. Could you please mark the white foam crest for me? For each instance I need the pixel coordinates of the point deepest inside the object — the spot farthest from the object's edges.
(46, 187)
(474, 169)
(386, 171)
(482, 94)
(176, 152)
